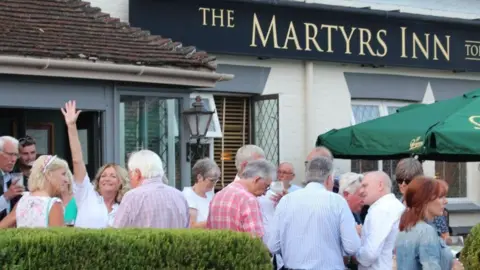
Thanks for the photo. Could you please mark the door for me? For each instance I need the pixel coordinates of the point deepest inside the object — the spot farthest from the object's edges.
(89, 125)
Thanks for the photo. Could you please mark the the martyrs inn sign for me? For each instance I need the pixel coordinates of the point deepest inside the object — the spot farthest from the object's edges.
(277, 31)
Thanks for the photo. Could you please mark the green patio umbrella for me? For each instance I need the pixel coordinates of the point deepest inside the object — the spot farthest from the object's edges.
(446, 130)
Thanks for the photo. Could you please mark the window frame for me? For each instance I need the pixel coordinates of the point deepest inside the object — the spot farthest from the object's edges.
(216, 121)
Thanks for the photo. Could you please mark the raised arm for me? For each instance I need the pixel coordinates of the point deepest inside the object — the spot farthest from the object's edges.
(70, 114)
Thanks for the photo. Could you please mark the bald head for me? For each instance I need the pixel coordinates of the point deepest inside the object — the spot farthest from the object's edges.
(285, 173)
(320, 152)
(286, 165)
(375, 185)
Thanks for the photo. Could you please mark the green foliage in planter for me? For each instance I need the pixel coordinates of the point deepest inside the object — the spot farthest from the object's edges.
(71, 248)
(470, 255)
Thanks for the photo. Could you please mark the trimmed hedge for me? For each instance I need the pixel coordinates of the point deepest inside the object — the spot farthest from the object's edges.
(71, 248)
(470, 255)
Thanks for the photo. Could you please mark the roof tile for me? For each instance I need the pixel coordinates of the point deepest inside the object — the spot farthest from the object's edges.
(72, 29)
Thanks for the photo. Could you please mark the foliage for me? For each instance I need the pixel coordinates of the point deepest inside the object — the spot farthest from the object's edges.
(71, 248)
(470, 255)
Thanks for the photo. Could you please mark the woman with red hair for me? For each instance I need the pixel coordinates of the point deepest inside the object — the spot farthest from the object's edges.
(419, 246)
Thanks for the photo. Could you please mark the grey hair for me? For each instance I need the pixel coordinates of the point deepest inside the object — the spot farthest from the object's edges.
(259, 168)
(408, 168)
(206, 168)
(246, 153)
(319, 169)
(320, 151)
(4, 139)
(350, 182)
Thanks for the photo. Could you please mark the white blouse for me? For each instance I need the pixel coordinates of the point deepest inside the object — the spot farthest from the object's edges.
(92, 211)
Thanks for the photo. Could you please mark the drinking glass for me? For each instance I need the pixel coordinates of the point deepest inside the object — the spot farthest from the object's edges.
(17, 177)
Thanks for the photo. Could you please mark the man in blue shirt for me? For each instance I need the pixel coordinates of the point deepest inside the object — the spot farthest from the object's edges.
(313, 228)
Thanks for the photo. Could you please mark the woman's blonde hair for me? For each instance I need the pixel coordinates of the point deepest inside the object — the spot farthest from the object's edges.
(122, 176)
(70, 182)
(43, 166)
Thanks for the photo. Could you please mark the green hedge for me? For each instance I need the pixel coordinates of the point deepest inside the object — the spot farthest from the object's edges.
(69, 248)
(470, 255)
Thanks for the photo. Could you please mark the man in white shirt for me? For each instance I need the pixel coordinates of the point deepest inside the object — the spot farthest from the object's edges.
(380, 229)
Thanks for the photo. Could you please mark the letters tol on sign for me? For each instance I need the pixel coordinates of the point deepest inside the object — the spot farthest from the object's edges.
(290, 32)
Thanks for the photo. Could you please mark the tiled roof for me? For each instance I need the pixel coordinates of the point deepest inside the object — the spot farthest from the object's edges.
(71, 29)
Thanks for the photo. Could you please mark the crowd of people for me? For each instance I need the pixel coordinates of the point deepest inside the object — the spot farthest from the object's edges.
(360, 226)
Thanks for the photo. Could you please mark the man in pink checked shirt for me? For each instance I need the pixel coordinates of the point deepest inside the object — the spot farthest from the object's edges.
(236, 207)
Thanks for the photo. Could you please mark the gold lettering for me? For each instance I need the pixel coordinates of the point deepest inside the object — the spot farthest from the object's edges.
(217, 16)
(474, 121)
(230, 18)
(365, 41)
(329, 35)
(257, 29)
(404, 42)
(309, 38)
(347, 38)
(292, 36)
(438, 44)
(382, 43)
(204, 14)
(417, 43)
(467, 46)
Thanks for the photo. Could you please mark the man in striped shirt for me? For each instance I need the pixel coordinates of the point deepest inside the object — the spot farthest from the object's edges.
(313, 227)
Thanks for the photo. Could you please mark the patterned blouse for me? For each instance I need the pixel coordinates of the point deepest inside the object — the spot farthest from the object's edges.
(33, 211)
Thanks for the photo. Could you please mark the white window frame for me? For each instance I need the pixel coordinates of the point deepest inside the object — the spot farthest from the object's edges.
(216, 122)
(383, 110)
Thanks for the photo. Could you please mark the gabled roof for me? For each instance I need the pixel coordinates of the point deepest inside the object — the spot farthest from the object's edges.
(71, 29)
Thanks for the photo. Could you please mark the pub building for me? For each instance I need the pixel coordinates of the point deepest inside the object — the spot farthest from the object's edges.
(300, 69)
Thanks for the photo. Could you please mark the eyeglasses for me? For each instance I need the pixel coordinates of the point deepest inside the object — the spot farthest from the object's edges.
(400, 181)
(27, 140)
(11, 154)
(285, 172)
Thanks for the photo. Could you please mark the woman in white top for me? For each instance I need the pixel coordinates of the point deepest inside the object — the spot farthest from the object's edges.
(206, 174)
(42, 206)
(98, 202)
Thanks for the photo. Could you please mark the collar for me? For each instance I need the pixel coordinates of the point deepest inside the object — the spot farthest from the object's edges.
(384, 198)
(315, 186)
(153, 180)
(236, 178)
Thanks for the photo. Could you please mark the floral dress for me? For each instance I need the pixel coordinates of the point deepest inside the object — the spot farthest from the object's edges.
(33, 211)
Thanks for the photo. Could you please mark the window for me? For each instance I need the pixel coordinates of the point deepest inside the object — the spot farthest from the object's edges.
(455, 174)
(214, 130)
(363, 111)
(147, 122)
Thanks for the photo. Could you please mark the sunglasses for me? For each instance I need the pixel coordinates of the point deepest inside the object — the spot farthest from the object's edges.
(400, 181)
(27, 140)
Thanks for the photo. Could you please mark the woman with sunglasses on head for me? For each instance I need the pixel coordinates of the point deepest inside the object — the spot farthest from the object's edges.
(406, 170)
(42, 206)
(419, 245)
(97, 202)
(206, 174)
